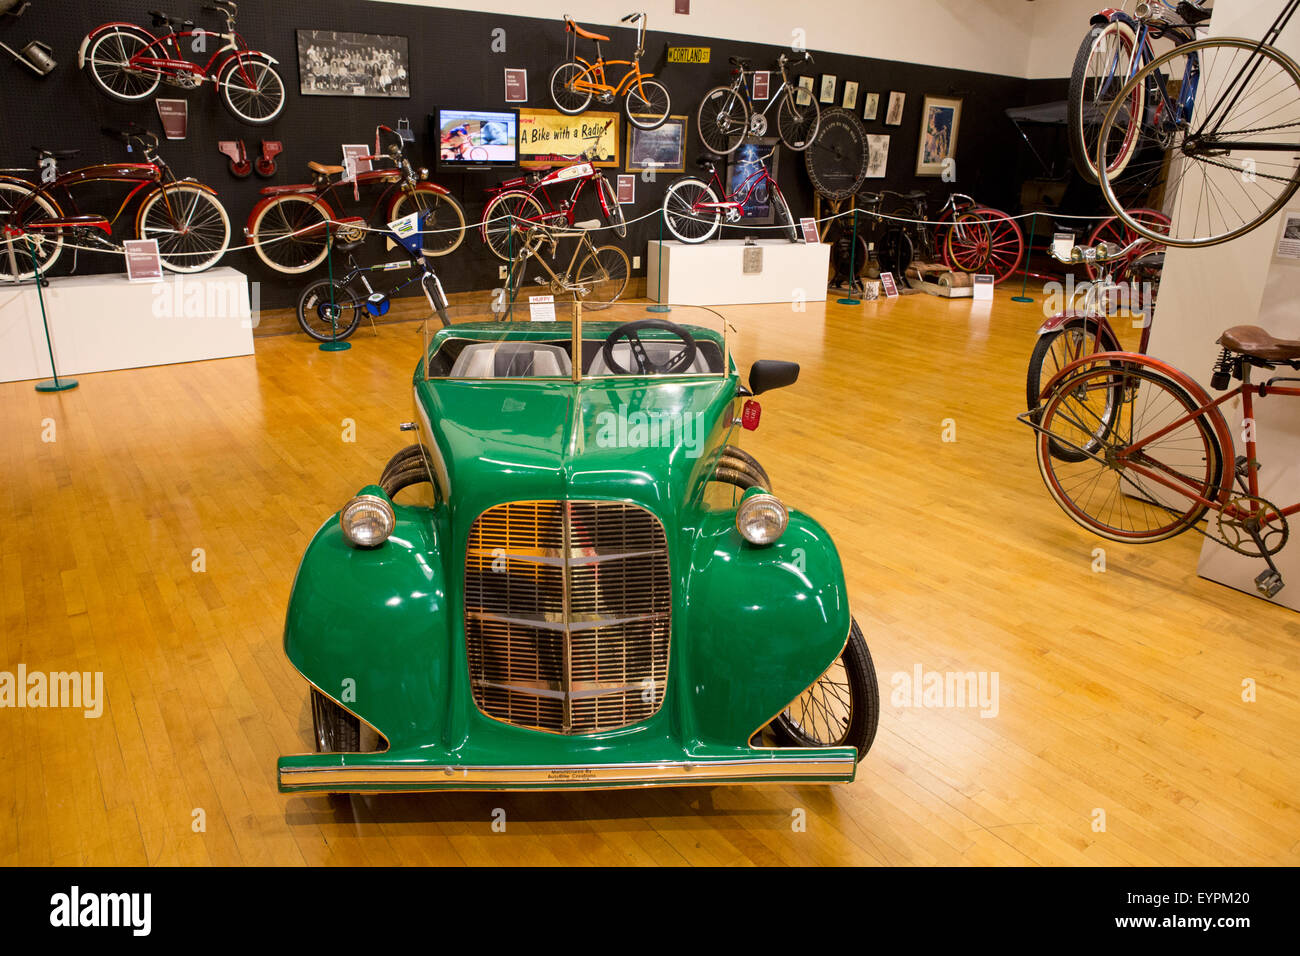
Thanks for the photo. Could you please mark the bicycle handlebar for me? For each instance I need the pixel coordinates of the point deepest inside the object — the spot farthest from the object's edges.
(1100, 253)
(632, 17)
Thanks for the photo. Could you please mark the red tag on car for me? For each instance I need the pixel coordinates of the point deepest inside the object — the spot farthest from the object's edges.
(751, 414)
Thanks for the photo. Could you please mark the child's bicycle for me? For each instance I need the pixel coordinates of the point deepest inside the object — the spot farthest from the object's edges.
(576, 81)
(330, 309)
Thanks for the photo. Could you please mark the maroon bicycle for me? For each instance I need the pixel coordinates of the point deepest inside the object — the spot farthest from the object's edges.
(526, 201)
(129, 63)
(693, 208)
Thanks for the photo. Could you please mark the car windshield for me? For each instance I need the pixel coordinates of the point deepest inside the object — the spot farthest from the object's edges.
(536, 340)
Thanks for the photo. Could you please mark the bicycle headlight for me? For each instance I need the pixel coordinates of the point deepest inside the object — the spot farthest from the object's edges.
(367, 521)
(761, 518)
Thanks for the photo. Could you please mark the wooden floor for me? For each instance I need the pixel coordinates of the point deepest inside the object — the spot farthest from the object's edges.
(1119, 692)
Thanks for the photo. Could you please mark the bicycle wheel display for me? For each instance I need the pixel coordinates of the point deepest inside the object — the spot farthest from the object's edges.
(647, 104)
(252, 90)
(722, 120)
(612, 209)
(984, 240)
(443, 223)
(290, 233)
(604, 274)
(109, 59)
(327, 310)
(683, 220)
(504, 220)
(1116, 492)
(1221, 158)
(783, 217)
(22, 256)
(797, 125)
(190, 224)
(1100, 71)
(567, 97)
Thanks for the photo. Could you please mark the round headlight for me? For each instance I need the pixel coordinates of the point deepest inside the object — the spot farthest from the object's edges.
(367, 521)
(761, 518)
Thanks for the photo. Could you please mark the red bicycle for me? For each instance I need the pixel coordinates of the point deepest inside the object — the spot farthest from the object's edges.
(129, 63)
(693, 209)
(518, 205)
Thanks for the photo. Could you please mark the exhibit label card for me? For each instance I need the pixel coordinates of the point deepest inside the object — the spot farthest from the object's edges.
(516, 85)
(982, 287)
(889, 285)
(761, 80)
(626, 189)
(1288, 244)
(174, 115)
(541, 308)
(143, 264)
(809, 227)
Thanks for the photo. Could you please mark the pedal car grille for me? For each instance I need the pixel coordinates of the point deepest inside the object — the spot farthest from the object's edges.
(567, 614)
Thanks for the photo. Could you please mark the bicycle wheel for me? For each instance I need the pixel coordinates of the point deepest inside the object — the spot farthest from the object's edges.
(648, 106)
(1223, 164)
(290, 234)
(986, 241)
(18, 259)
(190, 224)
(797, 125)
(1115, 232)
(1100, 69)
(783, 216)
(1111, 490)
(444, 220)
(567, 97)
(328, 310)
(894, 252)
(604, 273)
(612, 209)
(683, 220)
(504, 220)
(1052, 352)
(252, 90)
(722, 120)
(109, 59)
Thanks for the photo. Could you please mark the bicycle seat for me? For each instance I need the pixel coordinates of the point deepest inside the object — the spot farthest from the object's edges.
(161, 19)
(56, 153)
(1257, 343)
(585, 34)
(708, 161)
(871, 199)
(912, 195)
(323, 169)
(743, 62)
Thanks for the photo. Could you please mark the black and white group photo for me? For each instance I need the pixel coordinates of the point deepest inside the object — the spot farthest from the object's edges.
(353, 64)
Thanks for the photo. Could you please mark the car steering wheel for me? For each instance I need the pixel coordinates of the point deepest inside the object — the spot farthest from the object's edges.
(679, 360)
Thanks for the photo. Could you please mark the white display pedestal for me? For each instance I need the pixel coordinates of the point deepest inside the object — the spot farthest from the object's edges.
(103, 322)
(712, 273)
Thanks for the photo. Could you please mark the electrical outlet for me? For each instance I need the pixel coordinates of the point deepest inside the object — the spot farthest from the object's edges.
(636, 262)
(501, 273)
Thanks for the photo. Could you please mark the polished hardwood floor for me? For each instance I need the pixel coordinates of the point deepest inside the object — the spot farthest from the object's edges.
(1121, 735)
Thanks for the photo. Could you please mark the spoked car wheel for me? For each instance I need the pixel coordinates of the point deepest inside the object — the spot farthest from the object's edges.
(647, 107)
(291, 234)
(604, 274)
(681, 216)
(722, 120)
(22, 256)
(841, 709)
(109, 59)
(328, 311)
(337, 731)
(190, 224)
(252, 91)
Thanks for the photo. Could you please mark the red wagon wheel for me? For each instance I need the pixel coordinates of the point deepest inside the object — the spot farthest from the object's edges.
(985, 240)
(1114, 230)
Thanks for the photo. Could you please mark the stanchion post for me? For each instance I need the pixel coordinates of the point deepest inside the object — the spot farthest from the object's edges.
(853, 267)
(659, 273)
(54, 384)
(333, 345)
(1029, 251)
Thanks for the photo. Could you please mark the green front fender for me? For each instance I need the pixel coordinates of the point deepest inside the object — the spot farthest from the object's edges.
(370, 628)
(765, 623)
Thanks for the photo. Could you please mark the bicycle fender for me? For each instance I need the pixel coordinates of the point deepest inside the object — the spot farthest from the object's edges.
(243, 55)
(267, 200)
(1111, 14)
(89, 38)
(1185, 381)
(1064, 320)
(440, 190)
(32, 189)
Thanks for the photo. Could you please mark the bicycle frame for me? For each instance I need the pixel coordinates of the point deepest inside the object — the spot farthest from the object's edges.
(751, 182)
(567, 206)
(1167, 110)
(739, 85)
(584, 243)
(147, 177)
(595, 69)
(155, 57)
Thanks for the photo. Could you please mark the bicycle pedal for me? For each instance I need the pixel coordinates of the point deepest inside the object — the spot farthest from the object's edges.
(1243, 466)
(1269, 583)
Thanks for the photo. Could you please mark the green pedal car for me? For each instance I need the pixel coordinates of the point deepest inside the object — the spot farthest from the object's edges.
(585, 584)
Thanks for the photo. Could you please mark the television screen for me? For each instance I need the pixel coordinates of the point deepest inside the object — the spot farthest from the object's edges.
(477, 137)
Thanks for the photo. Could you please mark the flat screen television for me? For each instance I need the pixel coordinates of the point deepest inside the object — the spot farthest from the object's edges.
(476, 139)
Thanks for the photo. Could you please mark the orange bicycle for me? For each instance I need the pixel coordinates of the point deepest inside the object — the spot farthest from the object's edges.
(576, 81)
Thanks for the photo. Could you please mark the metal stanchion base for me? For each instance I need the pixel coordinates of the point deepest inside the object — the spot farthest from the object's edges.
(849, 301)
(658, 308)
(1021, 298)
(56, 385)
(335, 346)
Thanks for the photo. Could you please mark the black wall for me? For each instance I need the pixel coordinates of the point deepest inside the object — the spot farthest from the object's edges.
(452, 64)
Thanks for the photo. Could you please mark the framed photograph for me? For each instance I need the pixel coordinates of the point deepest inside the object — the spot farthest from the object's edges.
(871, 107)
(940, 119)
(662, 150)
(850, 101)
(804, 94)
(757, 207)
(878, 155)
(353, 64)
(827, 88)
(894, 115)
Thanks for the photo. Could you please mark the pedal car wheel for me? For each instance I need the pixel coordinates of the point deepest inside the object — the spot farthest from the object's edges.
(335, 730)
(841, 709)
(327, 311)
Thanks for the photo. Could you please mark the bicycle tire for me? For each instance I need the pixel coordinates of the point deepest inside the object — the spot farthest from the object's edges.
(605, 271)
(648, 111)
(444, 222)
(782, 216)
(677, 210)
(1081, 105)
(135, 88)
(291, 242)
(1075, 339)
(239, 98)
(574, 101)
(204, 237)
(323, 299)
(797, 125)
(612, 209)
(499, 225)
(719, 123)
(11, 194)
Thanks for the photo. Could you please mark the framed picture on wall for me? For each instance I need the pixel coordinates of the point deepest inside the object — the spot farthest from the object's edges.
(940, 118)
(894, 115)
(827, 88)
(353, 64)
(877, 155)
(662, 150)
(850, 95)
(804, 94)
(757, 208)
(871, 107)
